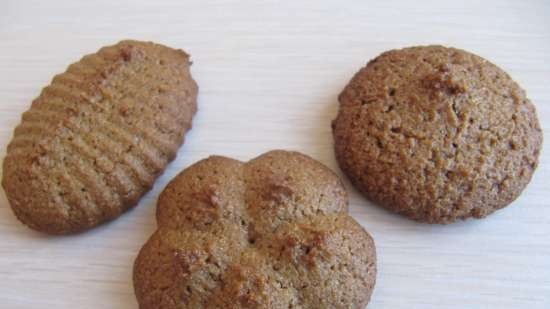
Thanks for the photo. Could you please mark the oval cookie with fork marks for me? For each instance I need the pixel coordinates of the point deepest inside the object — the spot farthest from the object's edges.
(98, 136)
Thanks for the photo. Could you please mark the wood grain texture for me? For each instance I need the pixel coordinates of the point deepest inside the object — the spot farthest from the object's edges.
(269, 73)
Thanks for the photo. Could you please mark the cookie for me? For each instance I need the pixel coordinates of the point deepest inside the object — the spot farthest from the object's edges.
(436, 134)
(269, 233)
(98, 136)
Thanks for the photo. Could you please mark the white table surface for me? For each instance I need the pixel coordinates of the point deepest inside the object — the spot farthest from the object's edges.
(269, 73)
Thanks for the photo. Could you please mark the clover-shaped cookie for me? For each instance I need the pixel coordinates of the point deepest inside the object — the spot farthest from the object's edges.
(269, 233)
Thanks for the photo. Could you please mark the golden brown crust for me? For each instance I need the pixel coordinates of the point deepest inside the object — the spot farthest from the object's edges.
(436, 134)
(98, 136)
(269, 233)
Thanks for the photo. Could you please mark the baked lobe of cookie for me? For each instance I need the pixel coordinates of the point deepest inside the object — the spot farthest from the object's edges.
(98, 136)
(436, 134)
(269, 233)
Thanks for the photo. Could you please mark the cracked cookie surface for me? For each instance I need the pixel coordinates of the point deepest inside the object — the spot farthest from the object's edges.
(269, 233)
(436, 134)
(98, 136)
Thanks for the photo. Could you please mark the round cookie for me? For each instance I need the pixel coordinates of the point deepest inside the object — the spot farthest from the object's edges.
(436, 134)
(270, 233)
(98, 136)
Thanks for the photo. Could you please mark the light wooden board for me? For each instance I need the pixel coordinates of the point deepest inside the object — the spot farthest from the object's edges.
(269, 73)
